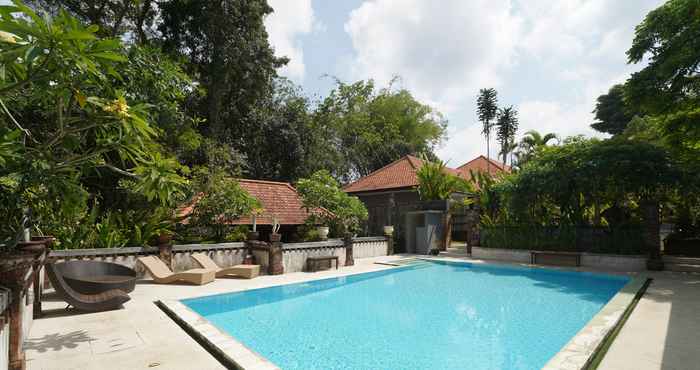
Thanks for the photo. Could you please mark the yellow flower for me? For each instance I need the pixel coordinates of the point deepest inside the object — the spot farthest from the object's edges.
(7, 37)
(119, 107)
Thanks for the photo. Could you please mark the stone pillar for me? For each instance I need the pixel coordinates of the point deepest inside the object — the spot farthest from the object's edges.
(389, 233)
(16, 354)
(276, 266)
(347, 243)
(13, 271)
(165, 253)
(251, 240)
(652, 223)
(38, 285)
(472, 225)
(447, 230)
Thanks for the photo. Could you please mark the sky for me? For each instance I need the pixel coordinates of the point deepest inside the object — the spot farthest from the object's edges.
(549, 59)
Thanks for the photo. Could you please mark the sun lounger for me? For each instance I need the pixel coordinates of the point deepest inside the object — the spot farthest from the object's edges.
(162, 274)
(245, 271)
(106, 300)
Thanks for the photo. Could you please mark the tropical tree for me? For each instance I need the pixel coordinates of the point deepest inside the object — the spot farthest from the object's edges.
(63, 122)
(330, 205)
(506, 128)
(510, 148)
(113, 17)
(531, 142)
(221, 201)
(667, 88)
(227, 49)
(486, 110)
(366, 128)
(436, 183)
(611, 113)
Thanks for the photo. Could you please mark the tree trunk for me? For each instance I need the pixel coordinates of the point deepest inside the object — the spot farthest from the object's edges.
(488, 154)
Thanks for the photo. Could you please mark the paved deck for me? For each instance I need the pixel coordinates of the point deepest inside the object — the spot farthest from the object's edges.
(660, 334)
(663, 332)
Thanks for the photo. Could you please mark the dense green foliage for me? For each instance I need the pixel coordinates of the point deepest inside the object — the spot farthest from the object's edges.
(372, 128)
(531, 143)
(611, 114)
(116, 113)
(565, 238)
(667, 92)
(436, 183)
(562, 192)
(586, 182)
(330, 205)
(221, 201)
(68, 129)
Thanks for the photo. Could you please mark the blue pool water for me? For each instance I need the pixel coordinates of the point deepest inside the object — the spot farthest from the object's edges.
(433, 316)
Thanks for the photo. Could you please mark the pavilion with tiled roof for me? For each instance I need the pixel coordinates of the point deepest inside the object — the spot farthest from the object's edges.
(391, 190)
(400, 174)
(278, 199)
(482, 164)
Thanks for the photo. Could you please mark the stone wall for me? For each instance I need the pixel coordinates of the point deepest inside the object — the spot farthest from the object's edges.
(614, 262)
(370, 247)
(294, 255)
(224, 254)
(228, 254)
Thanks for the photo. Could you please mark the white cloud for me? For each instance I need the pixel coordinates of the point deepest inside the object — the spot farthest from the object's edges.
(445, 51)
(440, 50)
(291, 19)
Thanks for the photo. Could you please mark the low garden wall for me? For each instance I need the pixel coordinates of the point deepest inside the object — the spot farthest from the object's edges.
(294, 255)
(228, 254)
(604, 261)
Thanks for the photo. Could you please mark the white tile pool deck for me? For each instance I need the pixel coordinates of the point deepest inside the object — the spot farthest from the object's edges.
(662, 332)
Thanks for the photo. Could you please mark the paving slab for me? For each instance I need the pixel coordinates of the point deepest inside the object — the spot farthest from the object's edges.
(663, 331)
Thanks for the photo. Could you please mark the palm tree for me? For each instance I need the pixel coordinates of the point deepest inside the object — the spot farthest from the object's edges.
(486, 109)
(507, 127)
(509, 148)
(532, 141)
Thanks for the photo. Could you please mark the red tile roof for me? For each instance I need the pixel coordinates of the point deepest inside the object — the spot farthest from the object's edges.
(279, 199)
(398, 174)
(481, 164)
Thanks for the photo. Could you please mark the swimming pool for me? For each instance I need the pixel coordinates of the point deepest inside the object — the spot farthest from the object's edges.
(435, 315)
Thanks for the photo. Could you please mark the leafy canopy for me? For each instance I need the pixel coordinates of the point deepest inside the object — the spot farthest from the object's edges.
(63, 121)
(436, 183)
(321, 194)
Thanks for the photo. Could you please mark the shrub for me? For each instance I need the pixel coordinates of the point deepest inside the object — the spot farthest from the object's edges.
(330, 205)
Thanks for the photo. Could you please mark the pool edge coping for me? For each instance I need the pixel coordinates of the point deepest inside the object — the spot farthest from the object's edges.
(234, 353)
(580, 350)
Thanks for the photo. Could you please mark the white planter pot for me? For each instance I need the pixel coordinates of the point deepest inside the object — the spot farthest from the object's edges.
(388, 230)
(323, 232)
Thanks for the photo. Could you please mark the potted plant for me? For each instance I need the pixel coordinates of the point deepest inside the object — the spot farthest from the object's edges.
(275, 236)
(389, 230)
(322, 231)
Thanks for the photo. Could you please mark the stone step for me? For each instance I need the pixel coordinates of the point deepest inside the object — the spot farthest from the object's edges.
(682, 267)
(682, 260)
